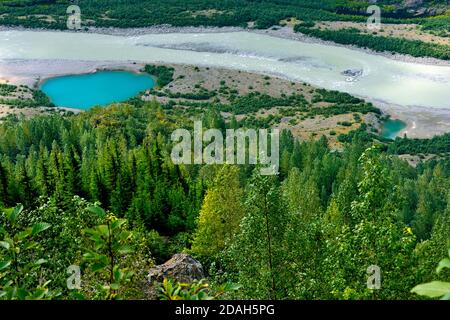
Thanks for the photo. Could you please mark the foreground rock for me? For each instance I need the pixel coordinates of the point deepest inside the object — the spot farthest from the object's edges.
(181, 267)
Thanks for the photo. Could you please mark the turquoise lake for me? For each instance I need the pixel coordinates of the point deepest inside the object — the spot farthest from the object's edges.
(391, 128)
(95, 89)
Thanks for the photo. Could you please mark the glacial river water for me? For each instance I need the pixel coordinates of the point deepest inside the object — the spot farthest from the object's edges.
(396, 82)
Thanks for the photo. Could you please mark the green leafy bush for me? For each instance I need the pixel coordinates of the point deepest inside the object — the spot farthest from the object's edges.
(109, 243)
(163, 74)
(198, 290)
(436, 289)
(19, 259)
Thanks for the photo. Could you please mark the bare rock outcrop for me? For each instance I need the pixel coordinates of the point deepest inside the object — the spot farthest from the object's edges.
(181, 267)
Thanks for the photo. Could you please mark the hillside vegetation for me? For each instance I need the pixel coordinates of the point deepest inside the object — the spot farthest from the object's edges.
(321, 222)
(141, 13)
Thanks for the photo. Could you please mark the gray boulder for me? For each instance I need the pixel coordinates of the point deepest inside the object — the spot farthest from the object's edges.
(352, 72)
(181, 267)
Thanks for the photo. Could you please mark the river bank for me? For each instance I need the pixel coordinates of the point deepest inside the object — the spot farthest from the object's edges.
(421, 122)
(34, 72)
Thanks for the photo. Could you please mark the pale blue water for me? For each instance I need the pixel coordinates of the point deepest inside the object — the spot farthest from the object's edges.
(96, 89)
(391, 128)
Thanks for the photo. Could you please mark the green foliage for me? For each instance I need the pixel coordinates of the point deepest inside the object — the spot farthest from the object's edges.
(41, 99)
(415, 48)
(198, 290)
(437, 25)
(203, 13)
(6, 89)
(436, 289)
(374, 185)
(15, 97)
(170, 290)
(370, 235)
(104, 155)
(220, 214)
(16, 265)
(255, 101)
(201, 94)
(335, 97)
(175, 12)
(362, 135)
(256, 250)
(163, 74)
(64, 244)
(435, 145)
(109, 243)
(309, 233)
